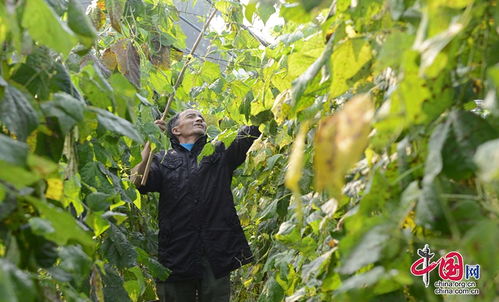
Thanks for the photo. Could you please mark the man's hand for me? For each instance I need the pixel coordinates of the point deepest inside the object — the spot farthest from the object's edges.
(161, 124)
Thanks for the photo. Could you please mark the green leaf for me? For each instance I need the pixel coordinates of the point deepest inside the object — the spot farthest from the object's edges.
(317, 266)
(17, 176)
(135, 288)
(93, 176)
(76, 262)
(46, 28)
(66, 109)
(17, 113)
(113, 286)
(309, 49)
(41, 74)
(71, 191)
(15, 285)
(97, 223)
(303, 81)
(362, 280)
(468, 132)
(392, 51)
(66, 226)
(428, 207)
(208, 149)
(98, 201)
(118, 249)
(373, 241)
(49, 145)
(13, 151)
(249, 10)
(265, 9)
(295, 12)
(2, 193)
(96, 88)
(487, 160)
(210, 71)
(272, 291)
(156, 269)
(116, 124)
(480, 242)
(80, 23)
(41, 226)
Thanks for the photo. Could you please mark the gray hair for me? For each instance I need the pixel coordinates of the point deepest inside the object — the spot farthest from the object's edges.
(172, 123)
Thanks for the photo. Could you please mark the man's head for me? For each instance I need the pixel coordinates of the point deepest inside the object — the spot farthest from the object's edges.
(187, 126)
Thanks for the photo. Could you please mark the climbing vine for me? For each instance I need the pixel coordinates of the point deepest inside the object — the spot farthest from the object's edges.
(380, 134)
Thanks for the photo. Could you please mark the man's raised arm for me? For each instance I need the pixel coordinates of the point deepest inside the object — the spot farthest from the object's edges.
(138, 171)
(236, 152)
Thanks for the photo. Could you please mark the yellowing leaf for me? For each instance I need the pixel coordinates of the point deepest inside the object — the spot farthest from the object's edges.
(409, 222)
(281, 107)
(128, 60)
(346, 61)
(97, 223)
(295, 166)
(340, 141)
(71, 192)
(161, 57)
(54, 188)
(109, 59)
(115, 10)
(95, 12)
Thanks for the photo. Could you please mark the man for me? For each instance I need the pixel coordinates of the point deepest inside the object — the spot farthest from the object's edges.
(200, 237)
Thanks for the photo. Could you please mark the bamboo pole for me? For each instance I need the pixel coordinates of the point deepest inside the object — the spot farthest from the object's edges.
(177, 84)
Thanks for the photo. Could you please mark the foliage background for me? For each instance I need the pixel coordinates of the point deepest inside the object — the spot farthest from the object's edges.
(380, 134)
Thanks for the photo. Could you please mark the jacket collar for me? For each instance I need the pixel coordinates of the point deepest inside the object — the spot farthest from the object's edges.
(198, 145)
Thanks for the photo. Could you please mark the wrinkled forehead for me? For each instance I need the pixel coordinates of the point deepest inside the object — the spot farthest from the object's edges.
(187, 112)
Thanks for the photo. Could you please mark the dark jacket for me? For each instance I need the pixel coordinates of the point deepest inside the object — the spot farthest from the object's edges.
(196, 207)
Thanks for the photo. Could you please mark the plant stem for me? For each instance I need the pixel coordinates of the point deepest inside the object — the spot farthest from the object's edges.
(177, 84)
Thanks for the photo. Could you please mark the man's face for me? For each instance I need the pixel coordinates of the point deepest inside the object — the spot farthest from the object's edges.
(190, 124)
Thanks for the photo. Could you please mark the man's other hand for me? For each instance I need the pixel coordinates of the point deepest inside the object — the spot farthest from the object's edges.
(161, 124)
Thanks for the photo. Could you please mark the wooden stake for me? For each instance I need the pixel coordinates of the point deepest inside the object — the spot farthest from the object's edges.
(177, 84)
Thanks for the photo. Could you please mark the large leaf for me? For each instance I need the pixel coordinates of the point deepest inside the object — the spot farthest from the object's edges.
(17, 113)
(46, 28)
(13, 282)
(17, 176)
(80, 23)
(487, 160)
(295, 166)
(428, 207)
(118, 249)
(75, 262)
(66, 226)
(340, 141)
(156, 269)
(468, 132)
(304, 81)
(66, 109)
(116, 124)
(128, 60)
(115, 11)
(41, 74)
(347, 60)
(373, 241)
(13, 151)
(113, 286)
